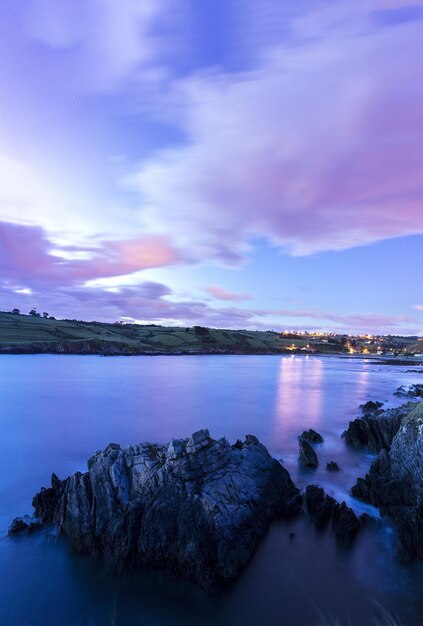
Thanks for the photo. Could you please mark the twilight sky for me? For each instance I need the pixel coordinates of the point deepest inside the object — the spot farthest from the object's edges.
(237, 163)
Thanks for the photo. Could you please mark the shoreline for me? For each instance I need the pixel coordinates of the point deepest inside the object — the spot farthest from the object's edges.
(377, 360)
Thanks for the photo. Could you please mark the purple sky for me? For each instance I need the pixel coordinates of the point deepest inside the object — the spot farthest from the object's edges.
(226, 162)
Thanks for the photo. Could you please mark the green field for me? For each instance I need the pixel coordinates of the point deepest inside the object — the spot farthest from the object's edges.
(24, 333)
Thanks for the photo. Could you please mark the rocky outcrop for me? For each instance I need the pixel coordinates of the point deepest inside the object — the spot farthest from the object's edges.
(326, 511)
(376, 430)
(395, 481)
(412, 391)
(307, 457)
(333, 466)
(197, 506)
(370, 407)
(312, 436)
(26, 523)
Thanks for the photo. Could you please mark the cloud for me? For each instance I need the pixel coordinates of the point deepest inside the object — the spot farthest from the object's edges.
(418, 307)
(152, 302)
(352, 319)
(107, 41)
(318, 148)
(61, 282)
(222, 294)
(28, 258)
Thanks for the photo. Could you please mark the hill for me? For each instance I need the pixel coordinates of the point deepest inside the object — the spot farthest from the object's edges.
(23, 334)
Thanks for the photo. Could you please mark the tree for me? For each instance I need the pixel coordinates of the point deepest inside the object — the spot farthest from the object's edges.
(16, 311)
(200, 330)
(45, 314)
(33, 313)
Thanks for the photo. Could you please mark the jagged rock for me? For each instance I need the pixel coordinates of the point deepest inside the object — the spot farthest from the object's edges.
(197, 506)
(325, 510)
(370, 407)
(307, 457)
(394, 482)
(412, 391)
(332, 466)
(26, 523)
(312, 436)
(375, 430)
(44, 502)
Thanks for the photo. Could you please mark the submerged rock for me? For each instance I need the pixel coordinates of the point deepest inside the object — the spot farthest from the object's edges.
(325, 510)
(394, 482)
(376, 430)
(307, 457)
(312, 436)
(412, 391)
(332, 466)
(198, 506)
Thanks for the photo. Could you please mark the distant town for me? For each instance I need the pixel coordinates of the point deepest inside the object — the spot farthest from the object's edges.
(388, 345)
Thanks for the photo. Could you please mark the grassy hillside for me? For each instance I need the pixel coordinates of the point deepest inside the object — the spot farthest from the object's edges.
(24, 333)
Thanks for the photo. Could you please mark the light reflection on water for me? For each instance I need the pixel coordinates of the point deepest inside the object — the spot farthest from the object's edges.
(295, 375)
(56, 411)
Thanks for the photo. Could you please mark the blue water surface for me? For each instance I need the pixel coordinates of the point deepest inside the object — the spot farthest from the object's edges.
(57, 410)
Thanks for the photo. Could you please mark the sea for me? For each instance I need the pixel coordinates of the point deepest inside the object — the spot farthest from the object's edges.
(56, 411)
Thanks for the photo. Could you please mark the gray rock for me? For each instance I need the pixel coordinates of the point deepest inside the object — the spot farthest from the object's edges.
(312, 436)
(394, 482)
(370, 407)
(198, 506)
(332, 466)
(325, 510)
(307, 457)
(376, 430)
(26, 524)
(412, 391)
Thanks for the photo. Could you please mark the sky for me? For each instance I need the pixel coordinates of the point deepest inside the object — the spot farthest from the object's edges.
(229, 163)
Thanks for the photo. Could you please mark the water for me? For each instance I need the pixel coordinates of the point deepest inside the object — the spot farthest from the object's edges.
(57, 410)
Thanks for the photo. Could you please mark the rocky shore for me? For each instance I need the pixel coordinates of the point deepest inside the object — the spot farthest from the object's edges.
(197, 506)
(394, 482)
(200, 506)
(376, 429)
(326, 511)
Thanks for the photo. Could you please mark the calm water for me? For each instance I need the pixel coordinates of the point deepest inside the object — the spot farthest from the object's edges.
(57, 410)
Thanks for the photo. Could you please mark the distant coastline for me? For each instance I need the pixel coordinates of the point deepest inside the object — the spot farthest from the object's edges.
(35, 334)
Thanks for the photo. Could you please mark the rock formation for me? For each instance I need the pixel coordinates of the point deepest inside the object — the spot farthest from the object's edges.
(26, 523)
(325, 510)
(375, 430)
(307, 457)
(196, 506)
(312, 436)
(333, 466)
(412, 391)
(370, 407)
(395, 480)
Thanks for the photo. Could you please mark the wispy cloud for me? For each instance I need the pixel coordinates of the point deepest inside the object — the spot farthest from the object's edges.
(222, 294)
(108, 42)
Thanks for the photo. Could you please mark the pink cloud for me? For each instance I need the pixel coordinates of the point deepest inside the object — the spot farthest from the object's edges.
(149, 302)
(25, 257)
(318, 148)
(222, 294)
